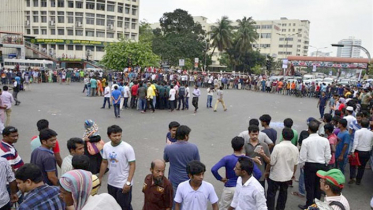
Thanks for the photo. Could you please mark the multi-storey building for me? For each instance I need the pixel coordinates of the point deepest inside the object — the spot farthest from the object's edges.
(349, 51)
(71, 28)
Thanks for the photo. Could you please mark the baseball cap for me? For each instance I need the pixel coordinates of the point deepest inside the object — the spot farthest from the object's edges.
(350, 108)
(334, 176)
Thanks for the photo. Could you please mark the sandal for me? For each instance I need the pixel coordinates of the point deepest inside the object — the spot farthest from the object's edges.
(297, 194)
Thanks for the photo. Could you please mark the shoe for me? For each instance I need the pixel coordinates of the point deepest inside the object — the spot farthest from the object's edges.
(182, 110)
(19, 103)
(102, 107)
(214, 110)
(118, 116)
(225, 110)
(178, 109)
(302, 206)
(210, 106)
(358, 182)
(351, 181)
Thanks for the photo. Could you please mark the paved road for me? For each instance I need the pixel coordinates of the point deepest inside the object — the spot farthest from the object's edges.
(66, 108)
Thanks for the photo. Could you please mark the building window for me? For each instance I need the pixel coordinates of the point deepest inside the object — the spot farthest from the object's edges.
(61, 31)
(133, 26)
(79, 5)
(70, 47)
(111, 7)
(293, 24)
(35, 16)
(134, 10)
(53, 31)
(265, 45)
(70, 32)
(100, 20)
(283, 30)
(43, 3)
(100, 34)
(119, 35)
(44, 31)
(100, 5)
(127, 10)
(299, 35)
(61, 3)
(100, 49)
(127, 24)
(265, 35)
(90, 33)
(90, 5)
(120, 8)
(61, 17)
(133, 36)
(36, 31)
(70, 17)
(120, 23)
(79, 17)
(284, 24)
(110, 20)
(78, 47)
(90, 48)
(110, 35)
(36, 3)
(61, 47)
(53, 3)
(293, 29)
(266, 26)
(70, 4)
(43, 19)
(28, 3)
(28, 31)
(90, 18)
(78, 32)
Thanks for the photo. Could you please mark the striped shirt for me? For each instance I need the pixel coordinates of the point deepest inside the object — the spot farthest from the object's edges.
(43, 198)
(6, 175)
(10, 153)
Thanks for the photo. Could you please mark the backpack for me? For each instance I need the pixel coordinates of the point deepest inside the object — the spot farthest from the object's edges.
(337, 203)
(182, 91)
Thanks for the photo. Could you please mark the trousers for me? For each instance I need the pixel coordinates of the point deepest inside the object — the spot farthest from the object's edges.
(311, 181)
(273, 187)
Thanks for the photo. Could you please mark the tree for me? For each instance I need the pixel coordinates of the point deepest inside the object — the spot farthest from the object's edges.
(145, 32)
(221, 35)
(119, 53)
(246, 34)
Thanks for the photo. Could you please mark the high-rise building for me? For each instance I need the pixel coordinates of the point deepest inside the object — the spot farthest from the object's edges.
(320, 54)
(71, 28)
(349, 51)
(278, 38)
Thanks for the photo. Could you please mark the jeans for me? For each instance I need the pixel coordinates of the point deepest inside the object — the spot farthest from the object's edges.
(181, 100)
(125, 103)
(154, 101)
(116, 110)
(142, 104)
(108, 101)
(321, 110)
(209, 101)
(172, 105)
(273, 187)
(187, 102)
(88, 91)
(195, 103)
(123, 199)
(150, 101)
(133, 102)
(341, 165)
(15, 94)
(301, 187)
(93, 90)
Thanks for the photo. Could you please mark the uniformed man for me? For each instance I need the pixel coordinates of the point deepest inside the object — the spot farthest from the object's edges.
(157, 188)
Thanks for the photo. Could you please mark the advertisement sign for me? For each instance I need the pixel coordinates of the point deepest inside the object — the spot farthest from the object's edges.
(181, 62)
(285, 63)
(66, 41)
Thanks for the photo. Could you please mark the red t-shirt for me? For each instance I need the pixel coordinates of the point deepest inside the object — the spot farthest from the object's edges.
(134, 89)
(56, 149)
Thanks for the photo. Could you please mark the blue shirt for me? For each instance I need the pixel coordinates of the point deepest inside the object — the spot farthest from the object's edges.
(18, 79)
(44, 158)
(343, 138)
(93, 83)
(116, 95)
(179, 155)
(323, 100)
(229, 162)
(43, 198)
(271, 133)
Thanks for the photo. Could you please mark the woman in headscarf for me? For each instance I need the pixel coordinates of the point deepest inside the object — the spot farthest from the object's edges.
(92, 136)
(75, 189)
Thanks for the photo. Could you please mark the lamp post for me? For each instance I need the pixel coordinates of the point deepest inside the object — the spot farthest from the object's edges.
(286, 45)
(358, 46)
(317, 49)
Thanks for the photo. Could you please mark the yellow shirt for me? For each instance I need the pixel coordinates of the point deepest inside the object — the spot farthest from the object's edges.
(95, 185)
(149, 93)
(153, 88)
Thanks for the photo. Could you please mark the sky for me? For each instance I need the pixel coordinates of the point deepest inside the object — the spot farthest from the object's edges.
(331, 20)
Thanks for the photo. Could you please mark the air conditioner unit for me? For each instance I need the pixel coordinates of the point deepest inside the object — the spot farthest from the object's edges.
(110, 27)
(79, 24)
(27, 22)
(51, 23)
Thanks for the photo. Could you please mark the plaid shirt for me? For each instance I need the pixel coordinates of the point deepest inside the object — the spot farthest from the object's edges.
(43, 198)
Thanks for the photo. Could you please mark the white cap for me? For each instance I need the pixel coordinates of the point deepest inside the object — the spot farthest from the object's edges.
(350, 108)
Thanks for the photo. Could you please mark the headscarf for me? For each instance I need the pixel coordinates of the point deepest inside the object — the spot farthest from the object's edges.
(91, 128)
(79, 183)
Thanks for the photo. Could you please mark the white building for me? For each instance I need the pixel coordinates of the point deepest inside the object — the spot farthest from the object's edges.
(349, 51)
(70, 28)
(320, 54)
(278, 38)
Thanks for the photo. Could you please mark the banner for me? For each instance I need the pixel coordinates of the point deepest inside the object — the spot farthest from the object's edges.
(67, 41)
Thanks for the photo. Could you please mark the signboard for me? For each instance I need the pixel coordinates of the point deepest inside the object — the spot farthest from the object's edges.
(314, 68)
(71, 59)
(181, 62)
(330, 73)
(196, 60)
(285, 63)
(11, 38)
(67, 41)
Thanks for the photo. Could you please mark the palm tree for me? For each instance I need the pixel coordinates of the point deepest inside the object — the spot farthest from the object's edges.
(221, 34)
(246, 34)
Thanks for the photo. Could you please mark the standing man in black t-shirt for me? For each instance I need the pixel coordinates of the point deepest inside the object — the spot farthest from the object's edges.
(16, 88)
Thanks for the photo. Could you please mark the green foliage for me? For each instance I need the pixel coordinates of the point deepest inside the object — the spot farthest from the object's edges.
(221, 34)
(118, 53)
(256, 70)
(145, 32)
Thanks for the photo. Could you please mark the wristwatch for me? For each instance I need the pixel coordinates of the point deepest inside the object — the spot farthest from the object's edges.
(128, 183)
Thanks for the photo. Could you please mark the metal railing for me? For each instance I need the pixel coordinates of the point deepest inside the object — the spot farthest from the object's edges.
(35, 49)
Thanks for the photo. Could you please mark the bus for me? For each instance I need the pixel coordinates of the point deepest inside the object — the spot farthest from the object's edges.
(24, 64)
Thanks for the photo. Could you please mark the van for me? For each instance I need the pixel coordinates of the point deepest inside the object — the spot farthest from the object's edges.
(308, 76)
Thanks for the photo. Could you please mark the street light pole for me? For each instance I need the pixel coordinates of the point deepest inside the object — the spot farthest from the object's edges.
(286, 45)
(317, 49)
(358, 46)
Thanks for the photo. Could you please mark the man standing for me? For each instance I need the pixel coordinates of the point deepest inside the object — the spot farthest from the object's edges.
(288, 123)
(179, 154)
(210, 95)
(157, 189)
(93, 82)
(171, 135)
(7, 149)
(195, 193)
(258, 150)
(321, 104)
(249, 192)
(115, 97)
(187, 95)
(7, 176)
(220, 99)
(196, 95)
(44, 158)
(342, 146)
(141, 95)
(126, 95)
(332, 141)
(230, 179)
(271, 133)
(75, 147)
(7, 100)
(16, 87)
(119, 156)
(106, 96)
(315, 154)
(362, 146)
(262, 137)
(284, 160)
(150, 96)
(134, 89)
(181, 98)
(39, 195)
(172, 98)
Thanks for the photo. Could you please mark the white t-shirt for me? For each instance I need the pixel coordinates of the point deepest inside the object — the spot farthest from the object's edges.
(195, 199)
(103, 201)
(187, 91)
(210, 92)
(340, 199)
(172, 94)
(126, 90)
(112, 87)
(118, 161)
(107, 92)
(67, 164)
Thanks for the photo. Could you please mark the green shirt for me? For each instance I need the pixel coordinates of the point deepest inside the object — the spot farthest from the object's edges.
(294, 140)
